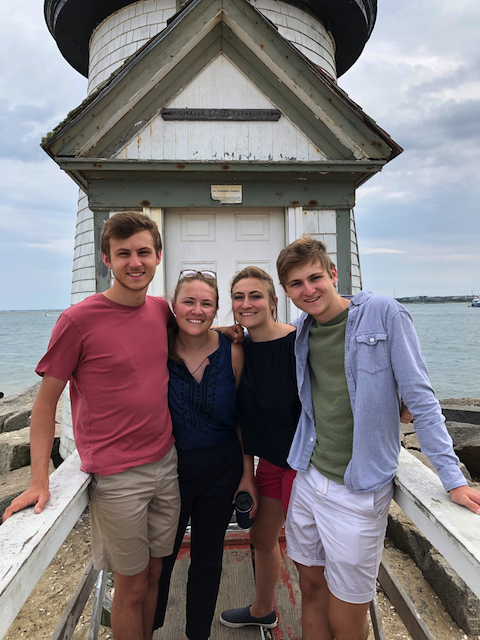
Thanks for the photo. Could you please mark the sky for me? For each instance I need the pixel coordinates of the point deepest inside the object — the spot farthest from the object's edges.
(418, 221)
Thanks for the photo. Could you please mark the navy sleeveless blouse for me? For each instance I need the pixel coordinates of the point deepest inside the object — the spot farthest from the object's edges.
(203, 413)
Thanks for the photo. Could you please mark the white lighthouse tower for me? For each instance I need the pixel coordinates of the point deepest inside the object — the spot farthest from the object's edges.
(222, 120)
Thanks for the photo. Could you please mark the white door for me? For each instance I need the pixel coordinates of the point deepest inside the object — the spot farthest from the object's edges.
(225, 241)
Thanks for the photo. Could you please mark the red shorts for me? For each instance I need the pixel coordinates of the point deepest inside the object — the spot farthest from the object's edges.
(274, 482)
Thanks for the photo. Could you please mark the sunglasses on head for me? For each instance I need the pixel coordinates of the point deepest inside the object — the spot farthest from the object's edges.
(206, 273)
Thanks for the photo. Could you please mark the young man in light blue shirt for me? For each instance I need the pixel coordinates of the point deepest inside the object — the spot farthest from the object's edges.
(357, 357)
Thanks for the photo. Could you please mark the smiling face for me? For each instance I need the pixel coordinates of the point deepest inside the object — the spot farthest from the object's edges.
(312, 289)
(195, 307)
(251, 304)
(133, 262)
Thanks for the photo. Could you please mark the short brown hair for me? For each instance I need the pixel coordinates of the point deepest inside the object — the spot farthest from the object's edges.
(259, 274)
(303, 250)
(125, 224)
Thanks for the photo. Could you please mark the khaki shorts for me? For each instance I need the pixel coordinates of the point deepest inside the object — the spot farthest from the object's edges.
(134, 515)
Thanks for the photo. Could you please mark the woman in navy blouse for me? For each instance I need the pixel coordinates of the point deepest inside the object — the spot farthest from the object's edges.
(205, 370)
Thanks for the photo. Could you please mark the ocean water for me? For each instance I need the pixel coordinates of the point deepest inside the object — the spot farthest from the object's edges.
(24, 339)
(450, 338)
(449, 335)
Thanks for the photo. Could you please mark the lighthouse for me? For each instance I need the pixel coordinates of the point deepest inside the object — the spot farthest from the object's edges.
(223, 121)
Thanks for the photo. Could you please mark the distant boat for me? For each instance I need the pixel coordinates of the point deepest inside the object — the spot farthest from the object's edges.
(476, 301)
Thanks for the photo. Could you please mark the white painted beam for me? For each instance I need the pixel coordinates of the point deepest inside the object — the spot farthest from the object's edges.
(452, 529)
(29, 541)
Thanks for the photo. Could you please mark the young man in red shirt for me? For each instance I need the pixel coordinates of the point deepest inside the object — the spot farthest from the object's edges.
(112, 347)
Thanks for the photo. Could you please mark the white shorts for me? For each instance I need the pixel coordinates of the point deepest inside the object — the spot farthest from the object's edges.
(329, 526)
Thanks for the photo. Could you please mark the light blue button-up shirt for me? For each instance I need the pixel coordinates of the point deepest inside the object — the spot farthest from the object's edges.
(383, 363)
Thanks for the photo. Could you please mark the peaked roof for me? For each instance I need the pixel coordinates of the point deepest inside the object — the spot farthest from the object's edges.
(146, 82)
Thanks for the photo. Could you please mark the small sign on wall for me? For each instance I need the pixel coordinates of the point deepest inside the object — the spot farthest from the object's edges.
(226, 193)
(221, 114)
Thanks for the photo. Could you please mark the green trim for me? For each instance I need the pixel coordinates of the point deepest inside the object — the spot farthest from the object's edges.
(344, 252)
(123, 194)
(99, 167)
(102, 272)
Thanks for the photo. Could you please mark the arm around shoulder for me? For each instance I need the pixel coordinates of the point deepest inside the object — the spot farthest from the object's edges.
(42, 433)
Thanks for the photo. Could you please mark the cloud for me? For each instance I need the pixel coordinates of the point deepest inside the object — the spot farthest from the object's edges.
(22, 128)
(64, 246)
(370, 250)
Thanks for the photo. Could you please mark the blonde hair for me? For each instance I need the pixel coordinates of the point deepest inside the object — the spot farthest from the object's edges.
(258, 274)
(303, 250)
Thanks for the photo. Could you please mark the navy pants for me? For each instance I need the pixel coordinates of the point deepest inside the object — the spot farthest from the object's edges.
(208, 479)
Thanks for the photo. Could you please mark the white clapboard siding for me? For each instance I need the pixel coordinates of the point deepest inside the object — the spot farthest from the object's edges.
(303, 30)
(221, 85)
(355, 272)
(29, 541)
(123, 33)
(453, 530)
(322, 225)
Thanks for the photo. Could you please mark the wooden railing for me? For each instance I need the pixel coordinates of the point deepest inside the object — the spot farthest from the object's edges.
(28, 541)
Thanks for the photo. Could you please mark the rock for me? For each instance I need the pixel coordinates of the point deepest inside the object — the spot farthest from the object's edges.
(15, 401)
(4, 416)
(17, 421)
(466, 442)
(458, 599)
(15, 449)
(14, 404)
(411, 442)
(455, 413)
(463, 605)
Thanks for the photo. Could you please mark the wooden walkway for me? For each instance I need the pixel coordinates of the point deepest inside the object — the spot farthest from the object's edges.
(237, 589)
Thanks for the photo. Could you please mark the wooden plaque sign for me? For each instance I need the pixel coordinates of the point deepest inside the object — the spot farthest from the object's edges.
(220, 114)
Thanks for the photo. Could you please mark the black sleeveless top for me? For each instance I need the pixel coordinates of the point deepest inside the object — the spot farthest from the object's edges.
(268, 407)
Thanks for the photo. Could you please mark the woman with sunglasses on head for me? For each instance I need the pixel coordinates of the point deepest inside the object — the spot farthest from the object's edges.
(205, 369)
(268, 411)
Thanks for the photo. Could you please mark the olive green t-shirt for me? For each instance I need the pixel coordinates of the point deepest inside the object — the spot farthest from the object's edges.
(331, 400)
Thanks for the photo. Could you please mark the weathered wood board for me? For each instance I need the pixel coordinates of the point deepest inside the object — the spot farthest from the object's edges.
(453, 530)
(237, 588)
(288, 600)
(29, 541)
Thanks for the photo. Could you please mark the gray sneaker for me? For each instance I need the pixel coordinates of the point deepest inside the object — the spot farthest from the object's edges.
(236, 618)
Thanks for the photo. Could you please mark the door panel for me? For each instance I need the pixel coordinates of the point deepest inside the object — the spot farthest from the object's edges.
(225, 241)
